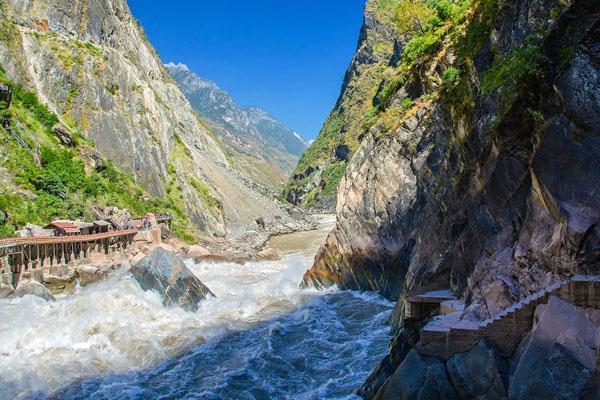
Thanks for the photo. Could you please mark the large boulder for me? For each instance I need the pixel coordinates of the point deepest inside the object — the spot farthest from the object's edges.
(167, 274)
(559, 357)
(477, 373)
(33, 288)
(418, 378)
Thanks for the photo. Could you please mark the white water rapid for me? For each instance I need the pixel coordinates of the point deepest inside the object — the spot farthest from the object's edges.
(261, 337)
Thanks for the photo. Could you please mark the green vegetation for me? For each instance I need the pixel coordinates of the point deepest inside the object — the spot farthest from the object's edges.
(64, 184)
(450, 76)
(407, 103)
(565, 55)
(522, 63)
(324, 143)
(414, 17)
(113, 88)
(332, 176)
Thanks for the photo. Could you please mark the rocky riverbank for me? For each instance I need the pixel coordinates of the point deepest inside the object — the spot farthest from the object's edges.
(247, 244)
(477, 173)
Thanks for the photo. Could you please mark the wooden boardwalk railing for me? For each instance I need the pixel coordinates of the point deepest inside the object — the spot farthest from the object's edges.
(31, 254)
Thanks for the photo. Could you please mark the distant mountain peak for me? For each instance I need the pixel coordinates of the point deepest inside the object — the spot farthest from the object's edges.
(247, 130)
(177, 66)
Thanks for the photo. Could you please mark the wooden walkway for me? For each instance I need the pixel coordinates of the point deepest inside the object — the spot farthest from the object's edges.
(29, 255)
(447, 335)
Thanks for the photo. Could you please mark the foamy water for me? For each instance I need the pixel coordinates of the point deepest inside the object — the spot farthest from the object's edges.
(260, 337)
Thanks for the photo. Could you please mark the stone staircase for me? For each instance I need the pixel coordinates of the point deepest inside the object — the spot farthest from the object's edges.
(448, 334)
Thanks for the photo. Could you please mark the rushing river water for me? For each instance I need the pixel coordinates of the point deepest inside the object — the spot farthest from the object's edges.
(261, 337)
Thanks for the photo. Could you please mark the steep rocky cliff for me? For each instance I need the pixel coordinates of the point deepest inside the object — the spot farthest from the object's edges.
(257, 144)
(480, 168)
(315, 179)
(91, 64)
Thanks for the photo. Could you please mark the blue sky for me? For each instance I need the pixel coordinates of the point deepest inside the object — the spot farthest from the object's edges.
(288, 57)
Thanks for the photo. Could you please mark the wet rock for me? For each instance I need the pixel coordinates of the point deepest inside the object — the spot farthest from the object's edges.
(476, 373)
(167, 274)
(63, 135)
(33, 288)
(5, 96)
(60, 280)
(6, 290)
(88, 274)
(558, 358)
(211, 258)
(418, 378)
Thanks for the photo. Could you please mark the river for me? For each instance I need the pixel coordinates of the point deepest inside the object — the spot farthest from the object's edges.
(261, 337)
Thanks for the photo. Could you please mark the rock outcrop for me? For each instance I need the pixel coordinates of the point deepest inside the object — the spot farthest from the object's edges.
(482, 199)
(558, 359)
(320, 168)
(479, 168)
(92, 65)
(264, 148)
(419, 378)
(33, 288)
(5, 95)
(478, 373)
(166, 273)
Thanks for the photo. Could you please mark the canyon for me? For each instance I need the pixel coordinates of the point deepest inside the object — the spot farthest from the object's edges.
(462, 159)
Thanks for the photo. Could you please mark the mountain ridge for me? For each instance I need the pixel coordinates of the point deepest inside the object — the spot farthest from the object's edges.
(251, 131)
(92, 65)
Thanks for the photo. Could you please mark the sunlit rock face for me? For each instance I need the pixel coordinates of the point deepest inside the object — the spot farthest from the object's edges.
(92, 64)
(266, 150)
(494, 200)
(489, 192)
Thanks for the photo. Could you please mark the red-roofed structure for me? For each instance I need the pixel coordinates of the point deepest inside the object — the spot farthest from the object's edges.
(64, 228)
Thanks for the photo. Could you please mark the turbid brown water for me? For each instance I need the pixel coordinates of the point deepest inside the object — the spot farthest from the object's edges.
(307, 242)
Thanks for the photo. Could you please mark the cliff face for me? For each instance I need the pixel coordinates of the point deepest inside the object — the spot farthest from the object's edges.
(259, 146)
(321, 167)
(481, 171)
(91, 63)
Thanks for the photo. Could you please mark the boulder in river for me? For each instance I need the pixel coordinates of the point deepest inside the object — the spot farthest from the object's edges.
(166, 273)
(34, 288)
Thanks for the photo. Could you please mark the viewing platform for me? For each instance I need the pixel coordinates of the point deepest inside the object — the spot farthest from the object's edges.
(29, 256)
(446, 335)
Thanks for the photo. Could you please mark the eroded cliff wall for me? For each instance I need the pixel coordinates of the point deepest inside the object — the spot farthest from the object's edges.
(320, 168)
(486, 179)
(91, 63)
